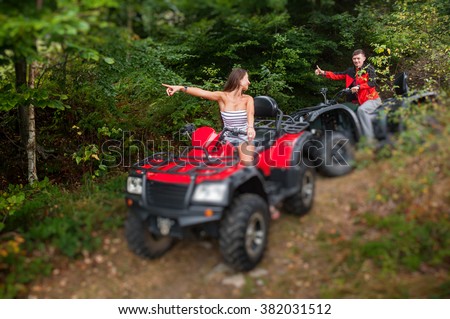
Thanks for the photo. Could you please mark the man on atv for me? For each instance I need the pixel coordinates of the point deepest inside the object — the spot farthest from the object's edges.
(361, 80)
(236, 109)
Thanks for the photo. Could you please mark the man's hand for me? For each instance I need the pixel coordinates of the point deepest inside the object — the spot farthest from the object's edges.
(319, 71)
(355, 89)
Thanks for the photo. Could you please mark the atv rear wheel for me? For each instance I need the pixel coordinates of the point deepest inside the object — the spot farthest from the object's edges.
(244, 232)
(301, 202)
(142, 242)
(336, 155)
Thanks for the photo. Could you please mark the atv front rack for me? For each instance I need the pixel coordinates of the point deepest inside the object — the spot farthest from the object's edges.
(167, 163)
(301, 114)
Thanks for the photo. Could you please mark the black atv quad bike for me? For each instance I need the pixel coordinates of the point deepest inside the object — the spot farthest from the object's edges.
(337, 129)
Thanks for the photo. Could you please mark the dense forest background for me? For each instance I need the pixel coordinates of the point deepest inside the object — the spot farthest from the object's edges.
(80, 80)
(92, 70)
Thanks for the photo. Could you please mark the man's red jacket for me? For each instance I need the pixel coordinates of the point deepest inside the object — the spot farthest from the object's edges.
(364, 77)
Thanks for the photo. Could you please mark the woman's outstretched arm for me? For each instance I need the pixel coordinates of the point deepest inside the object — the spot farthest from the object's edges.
(213, 96)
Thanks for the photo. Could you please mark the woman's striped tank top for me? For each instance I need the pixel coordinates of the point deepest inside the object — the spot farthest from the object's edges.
(235, 119)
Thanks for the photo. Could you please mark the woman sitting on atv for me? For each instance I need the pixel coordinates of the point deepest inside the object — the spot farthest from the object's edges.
(236, 109)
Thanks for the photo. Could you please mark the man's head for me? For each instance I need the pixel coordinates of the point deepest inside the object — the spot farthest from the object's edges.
(358, 58)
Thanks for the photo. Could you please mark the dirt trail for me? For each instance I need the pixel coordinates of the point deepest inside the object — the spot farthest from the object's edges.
(293, 266)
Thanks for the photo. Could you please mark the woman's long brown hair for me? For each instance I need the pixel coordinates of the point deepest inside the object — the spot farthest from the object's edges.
(234, 79)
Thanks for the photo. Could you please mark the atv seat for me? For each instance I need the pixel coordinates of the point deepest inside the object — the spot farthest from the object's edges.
(267, 121)
(265, 106)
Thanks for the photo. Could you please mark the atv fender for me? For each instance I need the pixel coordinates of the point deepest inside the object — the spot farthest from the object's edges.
(283, 180)
(301, 148)
(300, 156)
(247, 180)
(338, 109)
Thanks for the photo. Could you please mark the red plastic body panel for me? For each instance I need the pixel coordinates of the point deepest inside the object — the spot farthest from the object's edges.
(209, 160)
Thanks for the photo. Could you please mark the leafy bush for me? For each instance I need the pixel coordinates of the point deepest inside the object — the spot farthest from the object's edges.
(15, 197)
(410, 201)
(52, 221)
(10, 201)
(403, 27)
(17, 269)
(406, 242)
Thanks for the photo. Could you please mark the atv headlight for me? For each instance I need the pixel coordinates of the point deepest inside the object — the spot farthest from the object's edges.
(134, 185)
(213, 193)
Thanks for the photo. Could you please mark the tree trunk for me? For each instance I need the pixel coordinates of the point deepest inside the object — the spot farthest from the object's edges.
(27, 123)
(31, 142)
(130, 16)
(30, 119)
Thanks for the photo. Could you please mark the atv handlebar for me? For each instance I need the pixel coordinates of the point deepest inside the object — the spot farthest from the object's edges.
(188, 129)
(324, 91)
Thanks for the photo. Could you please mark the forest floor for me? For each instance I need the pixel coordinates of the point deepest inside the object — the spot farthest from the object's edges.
(303, 260)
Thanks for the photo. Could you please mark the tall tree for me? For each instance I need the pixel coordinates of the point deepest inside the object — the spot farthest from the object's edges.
(32, 32)
(29, 119)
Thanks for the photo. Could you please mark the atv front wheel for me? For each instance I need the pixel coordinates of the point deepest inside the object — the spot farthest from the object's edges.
(142, 242)
(336, 155)
(244, 232)
(301, 202)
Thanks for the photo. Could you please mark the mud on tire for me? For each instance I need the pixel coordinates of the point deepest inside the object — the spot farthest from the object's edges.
(244, 232)
(142, 242)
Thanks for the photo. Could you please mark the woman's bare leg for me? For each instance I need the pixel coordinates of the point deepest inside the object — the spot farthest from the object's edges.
(246, 153)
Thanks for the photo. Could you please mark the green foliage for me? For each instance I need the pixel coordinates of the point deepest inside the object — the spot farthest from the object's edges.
(10, 98)
(42, 37)
(69, 235)
(16, 269)
(10, 201)
(382, 61)
(409, 202)
(406, 242)
(25, 24)
(52, 221)
(109, 75)
(89, 154)
(279, 56)
(416, 32)
(101, 104)
(402, 228)
(15, 196)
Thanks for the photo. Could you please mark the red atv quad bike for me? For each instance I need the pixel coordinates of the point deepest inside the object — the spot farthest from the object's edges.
(205, 191)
